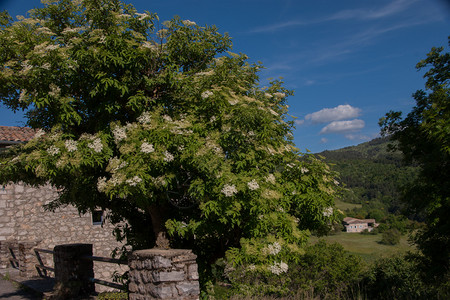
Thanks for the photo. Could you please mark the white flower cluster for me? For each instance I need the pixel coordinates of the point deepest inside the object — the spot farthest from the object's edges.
(23, 95)
(141, 16)
(46, 66)
(168, 157)
(116, 164)
(251, 267)
(233, 102)
(229, 190)
(304, 170)
(144, 118)
(328, 212)
(188, 23)
(147, 148)
(278, 268)
(116, 180)
(268, 95)
(53, 150)
(159, 181)
(270, 178)
(207, 94)
(96, 145)
(101, 184)
(71, 145)
(253, 185)
(26, 67)
(39, 133)
(273, 112)
(54, 90)
(148, 45)
(134, 181)
(167, 118)
(120, 133)
(274, 249)
(279, 95)
(207, 73)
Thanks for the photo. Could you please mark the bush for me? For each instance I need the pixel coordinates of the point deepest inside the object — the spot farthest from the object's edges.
(324, 271)
(391, 237)
(394, 278)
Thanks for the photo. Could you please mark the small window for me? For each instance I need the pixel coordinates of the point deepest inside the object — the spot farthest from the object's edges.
(97, 217)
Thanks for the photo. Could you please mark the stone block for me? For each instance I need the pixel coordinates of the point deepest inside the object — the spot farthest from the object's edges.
(168, 276)
(188, 288)
(160, 262)
(162, 291)
(193, 272)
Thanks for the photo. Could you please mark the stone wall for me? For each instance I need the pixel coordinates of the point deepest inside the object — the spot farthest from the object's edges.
(23, 218)
(163, 274)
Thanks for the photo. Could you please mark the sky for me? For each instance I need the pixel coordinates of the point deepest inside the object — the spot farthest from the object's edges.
(348, 62)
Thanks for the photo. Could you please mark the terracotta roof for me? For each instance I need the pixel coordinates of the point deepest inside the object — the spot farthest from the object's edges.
(16, 134)
(349, 220)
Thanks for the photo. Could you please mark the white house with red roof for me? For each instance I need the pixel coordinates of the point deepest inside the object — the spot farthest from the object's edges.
(359, 225)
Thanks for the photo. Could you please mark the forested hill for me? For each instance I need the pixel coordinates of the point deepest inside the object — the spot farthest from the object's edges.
(372, 174)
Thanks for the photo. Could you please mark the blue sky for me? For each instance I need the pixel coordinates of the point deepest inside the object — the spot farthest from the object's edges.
(348, 62)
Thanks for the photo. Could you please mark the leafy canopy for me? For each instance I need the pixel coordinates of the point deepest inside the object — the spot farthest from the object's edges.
(424, 138)
(159, 124)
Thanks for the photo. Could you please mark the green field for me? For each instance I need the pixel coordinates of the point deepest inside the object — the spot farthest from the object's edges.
(367, 246)
(343, 206)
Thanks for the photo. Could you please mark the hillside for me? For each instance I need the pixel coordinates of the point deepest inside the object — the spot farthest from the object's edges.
(373, 176)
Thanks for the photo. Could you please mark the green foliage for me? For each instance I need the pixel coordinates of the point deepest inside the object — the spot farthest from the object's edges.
(161, 126)
(394, 278)
(391, 237)
(324, 269)
(373, 176)
(423, 138)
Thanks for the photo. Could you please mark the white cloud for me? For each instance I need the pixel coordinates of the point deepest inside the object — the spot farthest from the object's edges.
(338, 113)
(393, 8)
(358, 137)
(323, 140)
(299, 122)
(343, 126)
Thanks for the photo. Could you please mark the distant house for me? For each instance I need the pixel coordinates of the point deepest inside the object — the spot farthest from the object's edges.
(358, 225)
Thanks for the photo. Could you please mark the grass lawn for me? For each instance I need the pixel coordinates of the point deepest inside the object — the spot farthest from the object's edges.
(345, 205)
(366, 246)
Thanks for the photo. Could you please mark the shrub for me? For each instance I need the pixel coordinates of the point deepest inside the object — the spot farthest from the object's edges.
(391, 237)
(394, 278)
(323, 271)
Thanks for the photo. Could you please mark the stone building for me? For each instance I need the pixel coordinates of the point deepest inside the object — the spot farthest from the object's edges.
(358, 225)
(23, 218)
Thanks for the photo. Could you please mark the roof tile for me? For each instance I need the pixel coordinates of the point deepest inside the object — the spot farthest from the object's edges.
(16, 134)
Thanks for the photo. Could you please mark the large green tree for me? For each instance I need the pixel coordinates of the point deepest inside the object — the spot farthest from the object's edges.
(424, 138)
(158, 124)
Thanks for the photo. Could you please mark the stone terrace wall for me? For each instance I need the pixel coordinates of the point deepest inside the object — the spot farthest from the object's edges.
(23, 218)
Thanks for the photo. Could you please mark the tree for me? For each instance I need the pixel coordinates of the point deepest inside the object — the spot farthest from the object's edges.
(158, 124)
(424, 138)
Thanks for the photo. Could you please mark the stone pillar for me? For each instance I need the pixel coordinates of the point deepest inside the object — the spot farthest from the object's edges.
(72, 272)
(27, 259)
(163, 274)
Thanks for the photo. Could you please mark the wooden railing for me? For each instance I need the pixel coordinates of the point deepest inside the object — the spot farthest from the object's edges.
(42, 269)
(13, 259)
(108, 260)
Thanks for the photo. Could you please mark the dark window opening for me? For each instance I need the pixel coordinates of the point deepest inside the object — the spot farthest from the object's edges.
(97, 217)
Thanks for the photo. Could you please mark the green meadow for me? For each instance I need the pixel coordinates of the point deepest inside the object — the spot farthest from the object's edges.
(367, 246)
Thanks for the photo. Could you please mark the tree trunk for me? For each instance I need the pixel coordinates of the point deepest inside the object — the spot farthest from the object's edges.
(158, 220)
